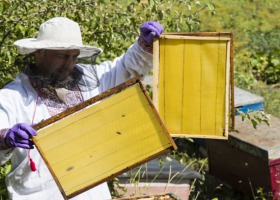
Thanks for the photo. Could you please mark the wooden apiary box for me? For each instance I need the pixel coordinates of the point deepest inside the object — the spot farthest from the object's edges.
(249, 159)
(193, 83)
(102, 138)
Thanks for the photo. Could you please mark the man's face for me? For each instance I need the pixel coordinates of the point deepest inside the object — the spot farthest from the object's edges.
(55, 64)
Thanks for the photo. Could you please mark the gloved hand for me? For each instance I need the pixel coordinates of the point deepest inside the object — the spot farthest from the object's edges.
(149, 30)
(20, 136)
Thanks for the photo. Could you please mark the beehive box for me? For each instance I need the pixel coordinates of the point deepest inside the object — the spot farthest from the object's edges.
(102, 138)
(250, 159)
(193, 83)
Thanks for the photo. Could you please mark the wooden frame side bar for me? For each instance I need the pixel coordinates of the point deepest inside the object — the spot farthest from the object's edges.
(232, 84)
(155, 71)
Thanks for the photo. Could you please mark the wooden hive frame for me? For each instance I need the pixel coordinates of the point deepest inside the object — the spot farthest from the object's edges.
(101, 138)
(193, 85)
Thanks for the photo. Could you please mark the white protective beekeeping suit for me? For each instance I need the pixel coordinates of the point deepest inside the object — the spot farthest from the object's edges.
(21, 103)
(17, 105)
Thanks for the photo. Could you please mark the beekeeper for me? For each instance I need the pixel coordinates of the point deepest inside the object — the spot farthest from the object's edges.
(50, 85)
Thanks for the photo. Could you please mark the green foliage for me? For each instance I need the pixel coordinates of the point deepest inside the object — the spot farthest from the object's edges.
(3, 171)
(256, 118)
(271, 95)
(110, 25)
(256, 38)
(265, 58)
(261, 194)
(116, 189)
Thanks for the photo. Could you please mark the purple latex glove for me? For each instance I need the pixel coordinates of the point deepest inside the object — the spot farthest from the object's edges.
(20, 136)
(149, 30)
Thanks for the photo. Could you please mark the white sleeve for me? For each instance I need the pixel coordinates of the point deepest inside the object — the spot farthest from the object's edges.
(135, 61)
(16, 104)
(5, 154)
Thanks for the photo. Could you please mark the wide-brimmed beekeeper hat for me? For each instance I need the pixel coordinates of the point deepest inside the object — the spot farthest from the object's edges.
(58, 33)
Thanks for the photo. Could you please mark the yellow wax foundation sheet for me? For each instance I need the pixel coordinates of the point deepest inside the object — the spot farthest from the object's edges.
(102, 137)
(193, 84)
